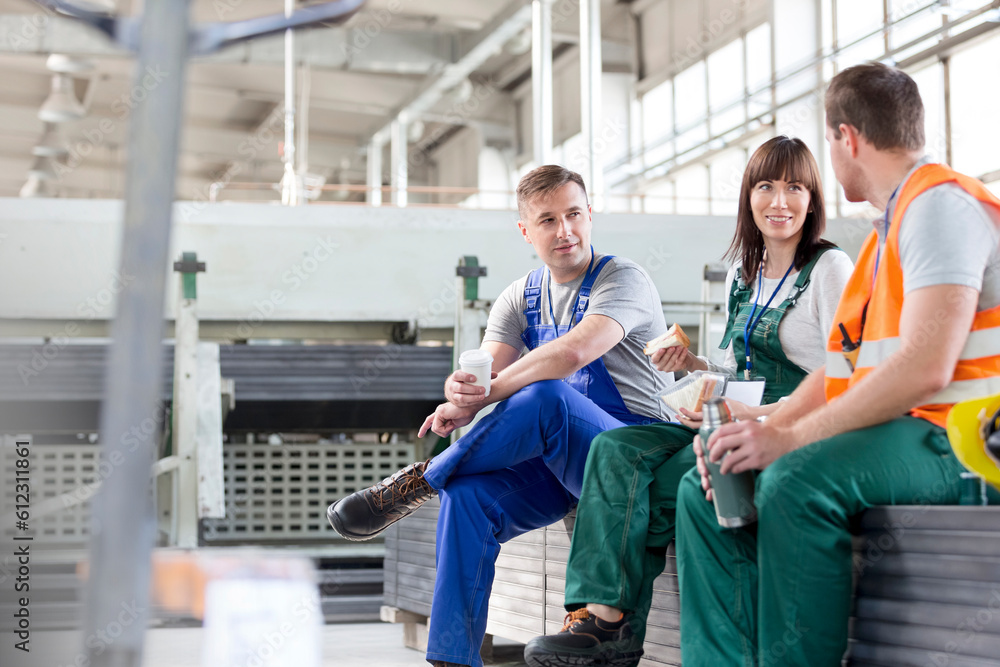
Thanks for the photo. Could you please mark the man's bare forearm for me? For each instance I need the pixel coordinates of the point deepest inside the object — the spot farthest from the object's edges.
(590, 340)
(808, 397)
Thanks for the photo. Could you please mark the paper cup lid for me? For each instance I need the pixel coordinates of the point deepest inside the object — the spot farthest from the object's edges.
(475, 358)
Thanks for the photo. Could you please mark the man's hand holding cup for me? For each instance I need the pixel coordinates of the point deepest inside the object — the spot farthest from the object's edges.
(459, 389)
(470, 385)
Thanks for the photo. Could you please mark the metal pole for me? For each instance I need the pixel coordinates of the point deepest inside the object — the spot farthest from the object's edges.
(590, 97)
(289, 184)
(375, 173)
(541, 79)
(131, 414)
(185, 402)
(302, 147)
(397, 147)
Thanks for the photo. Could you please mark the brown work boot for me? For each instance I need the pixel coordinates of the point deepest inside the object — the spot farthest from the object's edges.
(585, 639)
(364, 514)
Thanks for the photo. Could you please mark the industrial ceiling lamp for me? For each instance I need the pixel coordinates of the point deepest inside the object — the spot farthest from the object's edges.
(50, 144)
(42, 169)
(61, 105)
(462, 91)
(58, 62)
(519, 44)
(97, 6)
(37, 187)
(415, 131)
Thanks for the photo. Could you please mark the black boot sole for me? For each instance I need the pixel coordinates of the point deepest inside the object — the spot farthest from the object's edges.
(541, 658)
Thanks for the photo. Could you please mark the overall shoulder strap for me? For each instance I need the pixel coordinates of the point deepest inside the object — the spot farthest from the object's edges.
(802, 282)
(533, 296)
(734, 302)
(583, 298)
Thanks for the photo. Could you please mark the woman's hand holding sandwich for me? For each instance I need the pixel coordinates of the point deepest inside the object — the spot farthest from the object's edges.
(676, 358)
(669, 352)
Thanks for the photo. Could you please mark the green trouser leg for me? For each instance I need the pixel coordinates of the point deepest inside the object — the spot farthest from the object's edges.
(717, 573)
(804, 502)
(625, 518)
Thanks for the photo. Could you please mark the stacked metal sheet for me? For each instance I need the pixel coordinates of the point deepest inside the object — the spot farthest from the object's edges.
(280, 387)
(928, 590)
(261, 372)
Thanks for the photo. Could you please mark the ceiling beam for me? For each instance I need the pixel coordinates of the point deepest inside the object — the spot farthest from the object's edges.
(508, 22)
(369, 47)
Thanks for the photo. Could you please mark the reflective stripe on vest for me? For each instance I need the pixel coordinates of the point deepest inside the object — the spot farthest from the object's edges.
(977, 372)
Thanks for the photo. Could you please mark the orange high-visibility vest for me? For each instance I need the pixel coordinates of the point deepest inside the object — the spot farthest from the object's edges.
(978, 370)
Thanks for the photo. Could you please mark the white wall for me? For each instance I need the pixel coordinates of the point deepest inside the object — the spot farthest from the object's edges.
(332, 263)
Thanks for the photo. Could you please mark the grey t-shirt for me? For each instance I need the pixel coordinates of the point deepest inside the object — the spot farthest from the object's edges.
(804, 329)
(949, 238)
(624, 292)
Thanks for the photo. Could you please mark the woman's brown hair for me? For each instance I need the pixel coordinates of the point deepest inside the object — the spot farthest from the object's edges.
(779, 159)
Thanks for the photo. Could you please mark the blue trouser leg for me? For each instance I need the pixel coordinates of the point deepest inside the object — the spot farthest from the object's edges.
(478, 513)
(546, 419)
(520, 468)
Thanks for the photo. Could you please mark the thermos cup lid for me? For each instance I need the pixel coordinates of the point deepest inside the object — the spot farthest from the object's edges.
(716, 412)
(475, 358)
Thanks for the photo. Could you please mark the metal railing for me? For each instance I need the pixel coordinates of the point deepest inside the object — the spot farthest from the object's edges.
(349, 194)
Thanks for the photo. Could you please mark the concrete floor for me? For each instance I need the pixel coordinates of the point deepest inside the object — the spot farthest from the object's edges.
(344, 645)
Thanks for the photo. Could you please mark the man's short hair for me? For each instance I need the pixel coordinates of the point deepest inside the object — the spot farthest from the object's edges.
(544, 180)
(882, 102)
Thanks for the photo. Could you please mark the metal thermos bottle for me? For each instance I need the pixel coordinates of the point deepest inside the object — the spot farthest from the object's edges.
(732, 493)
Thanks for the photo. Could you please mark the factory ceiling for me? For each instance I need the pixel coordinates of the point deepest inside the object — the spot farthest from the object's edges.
(356, 77)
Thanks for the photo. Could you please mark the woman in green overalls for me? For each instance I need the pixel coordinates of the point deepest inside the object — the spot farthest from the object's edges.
(784, 288)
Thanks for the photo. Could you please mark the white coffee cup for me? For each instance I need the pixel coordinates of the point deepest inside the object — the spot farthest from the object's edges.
(480, 364)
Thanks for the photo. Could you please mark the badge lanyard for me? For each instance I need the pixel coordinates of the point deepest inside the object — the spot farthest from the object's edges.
(548, 289)
(750, 324)
(878, 246)
(847, 345)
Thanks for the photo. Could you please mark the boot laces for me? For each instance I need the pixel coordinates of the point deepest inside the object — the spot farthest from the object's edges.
(574, 618)
(400, 487)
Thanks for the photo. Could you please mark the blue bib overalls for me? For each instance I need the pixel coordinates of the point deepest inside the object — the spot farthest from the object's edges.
(519, 468)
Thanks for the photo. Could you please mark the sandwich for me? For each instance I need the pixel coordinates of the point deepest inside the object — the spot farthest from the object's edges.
(692, 395)
(675, 336)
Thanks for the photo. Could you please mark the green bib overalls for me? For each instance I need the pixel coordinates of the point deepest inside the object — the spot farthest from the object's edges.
(625, 518)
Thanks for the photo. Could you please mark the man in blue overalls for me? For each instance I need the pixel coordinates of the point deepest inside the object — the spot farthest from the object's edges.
(583, 319)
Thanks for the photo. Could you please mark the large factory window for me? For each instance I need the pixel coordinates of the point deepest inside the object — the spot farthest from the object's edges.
(657, 123)
(691, 107)
(975, 107)
(726, 88)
